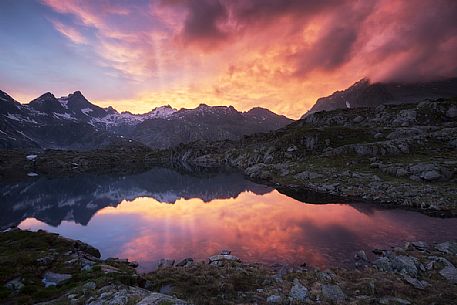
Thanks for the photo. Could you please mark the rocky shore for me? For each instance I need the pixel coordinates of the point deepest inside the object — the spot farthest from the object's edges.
(44, 268)
(399, 155)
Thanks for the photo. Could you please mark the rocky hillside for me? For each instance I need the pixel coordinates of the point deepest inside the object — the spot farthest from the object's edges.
(72, 122)
(398, 154)
(367, 94)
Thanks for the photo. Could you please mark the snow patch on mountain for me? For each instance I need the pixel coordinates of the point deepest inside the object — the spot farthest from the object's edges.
(86, 110)
(63, 101)
(64, 115)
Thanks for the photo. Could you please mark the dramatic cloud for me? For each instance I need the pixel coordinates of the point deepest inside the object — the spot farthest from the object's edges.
(279, 54)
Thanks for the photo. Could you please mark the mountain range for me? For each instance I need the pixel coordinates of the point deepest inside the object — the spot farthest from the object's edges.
(364, 93)
(72, 122)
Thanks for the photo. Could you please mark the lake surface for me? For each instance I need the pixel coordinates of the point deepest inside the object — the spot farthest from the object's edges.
(166, 214)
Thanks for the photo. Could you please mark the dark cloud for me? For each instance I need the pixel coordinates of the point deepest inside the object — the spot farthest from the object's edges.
(400, 40)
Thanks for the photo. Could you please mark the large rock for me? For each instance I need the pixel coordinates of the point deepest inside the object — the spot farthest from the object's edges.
(54, 279)
(218, 260)
(333, 293)
(405, 265)
(298, 292)
(449, 247)
(449, 273)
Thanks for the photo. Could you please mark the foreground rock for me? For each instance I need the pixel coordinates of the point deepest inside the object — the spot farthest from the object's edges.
(417, 273)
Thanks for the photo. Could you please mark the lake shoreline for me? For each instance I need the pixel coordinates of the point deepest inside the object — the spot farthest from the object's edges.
(416, 273)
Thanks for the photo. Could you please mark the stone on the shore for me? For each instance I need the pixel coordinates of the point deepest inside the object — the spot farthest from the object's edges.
(448, 247)
(219, 259)
(166, 263)
(333, 293)
(274, 299)
(419, 245)
(405, 264)
(361, 255)
(298, 292)
(449, 273)
(185, 262)
(54, 279)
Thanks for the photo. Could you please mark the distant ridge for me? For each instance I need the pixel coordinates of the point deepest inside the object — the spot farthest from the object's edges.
(366, 94)
(73, 122)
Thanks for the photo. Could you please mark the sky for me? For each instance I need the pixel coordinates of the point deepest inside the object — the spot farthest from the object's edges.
(277, 54)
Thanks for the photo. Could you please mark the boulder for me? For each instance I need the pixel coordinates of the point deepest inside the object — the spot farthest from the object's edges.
(333, 293)
(218, 260)
(449, 273)
(448, 247)
(54, 279)
(185, 262)
(298, 292)
(405, 264)
(165, 263)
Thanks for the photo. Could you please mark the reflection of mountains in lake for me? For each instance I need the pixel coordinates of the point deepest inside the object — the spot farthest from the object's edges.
(79, 198)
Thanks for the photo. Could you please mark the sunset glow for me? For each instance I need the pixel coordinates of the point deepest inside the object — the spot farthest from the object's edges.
(266, 228)
(281, 55)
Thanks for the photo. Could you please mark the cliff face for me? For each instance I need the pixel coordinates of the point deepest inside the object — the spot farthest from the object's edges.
(366, 94)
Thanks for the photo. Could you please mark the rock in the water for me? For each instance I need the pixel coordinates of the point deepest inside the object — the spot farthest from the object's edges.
(274, 299)
(333, 293)
(54, 279)
(298, 292)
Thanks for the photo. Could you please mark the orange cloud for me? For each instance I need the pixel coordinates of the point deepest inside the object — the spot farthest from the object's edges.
(281, 55)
